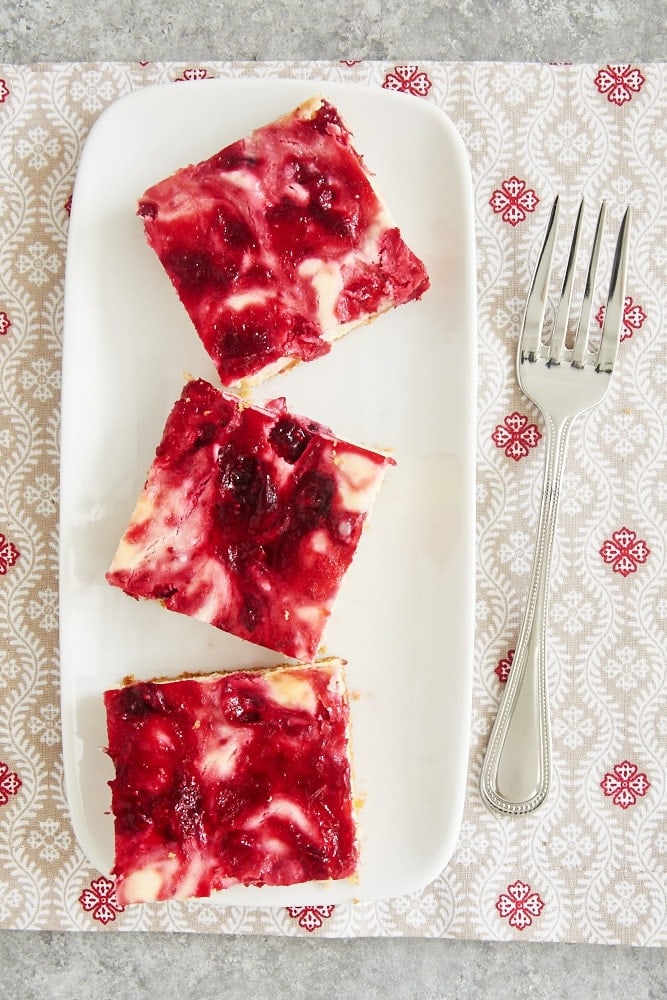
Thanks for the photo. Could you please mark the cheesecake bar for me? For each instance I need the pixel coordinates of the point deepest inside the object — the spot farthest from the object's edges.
(279, 243)
(248, 520)
(239, 778)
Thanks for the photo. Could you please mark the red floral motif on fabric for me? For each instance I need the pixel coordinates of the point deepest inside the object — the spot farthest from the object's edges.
(68, 205)
(100, 900)
(516, 436)
(5, 323)
(624, 552)
(8, 554)
(619, 82)
(350, 62)
(504, 665)
(624, 785)
(408, 79)
(194, 73)
(513, 200)
(310, 917)
(9, 783)
(519, 905)
(4, 91)
(633, 317)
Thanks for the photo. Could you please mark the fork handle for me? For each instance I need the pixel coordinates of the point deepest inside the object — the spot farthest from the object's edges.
(516, 770)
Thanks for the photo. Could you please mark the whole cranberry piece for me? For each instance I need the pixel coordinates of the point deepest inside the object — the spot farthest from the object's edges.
(289, 439)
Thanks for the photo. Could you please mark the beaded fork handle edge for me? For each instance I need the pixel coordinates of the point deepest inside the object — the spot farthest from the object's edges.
(517, 766)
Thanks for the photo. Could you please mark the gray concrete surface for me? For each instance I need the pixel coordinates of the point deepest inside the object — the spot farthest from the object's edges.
(115, 966)
(177, 967)
(560, 30)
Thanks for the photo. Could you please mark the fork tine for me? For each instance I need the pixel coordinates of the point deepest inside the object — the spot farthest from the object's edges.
(613, 316)
(563, 311)
(533, 317)
(581, 338)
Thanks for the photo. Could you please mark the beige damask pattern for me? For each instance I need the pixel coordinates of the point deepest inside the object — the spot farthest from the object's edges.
(590, 865)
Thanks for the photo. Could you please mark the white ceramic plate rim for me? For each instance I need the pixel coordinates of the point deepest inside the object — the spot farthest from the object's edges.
(408, 604)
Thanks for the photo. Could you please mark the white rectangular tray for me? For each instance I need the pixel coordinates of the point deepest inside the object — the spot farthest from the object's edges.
(404, 619)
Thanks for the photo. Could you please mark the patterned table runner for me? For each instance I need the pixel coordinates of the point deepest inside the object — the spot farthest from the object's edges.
(590, 864)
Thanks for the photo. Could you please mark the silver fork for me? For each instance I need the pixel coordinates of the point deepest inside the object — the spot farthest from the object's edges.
(563, 382)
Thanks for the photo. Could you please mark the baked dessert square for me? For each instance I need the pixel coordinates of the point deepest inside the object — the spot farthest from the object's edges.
(248, 520)
(279, 244)
(239, 778)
